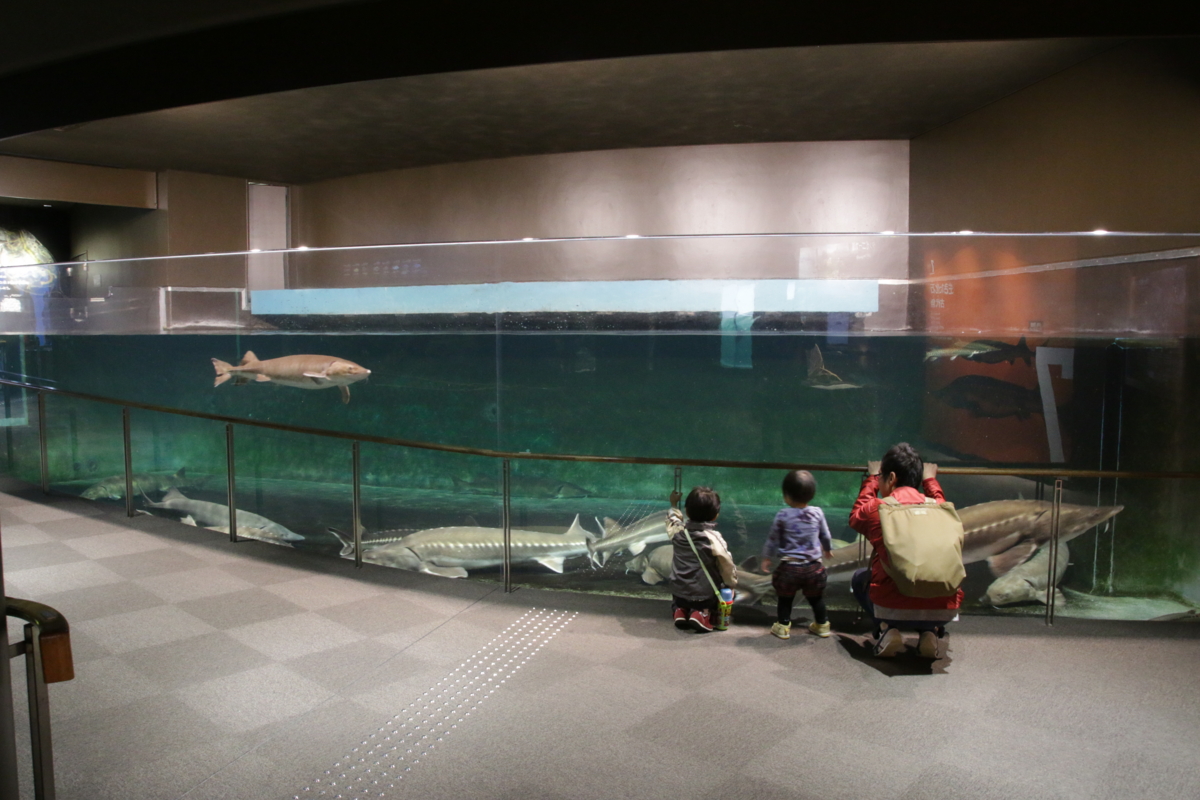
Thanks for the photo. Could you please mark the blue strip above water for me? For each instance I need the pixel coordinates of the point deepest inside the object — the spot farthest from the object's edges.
(639, 297)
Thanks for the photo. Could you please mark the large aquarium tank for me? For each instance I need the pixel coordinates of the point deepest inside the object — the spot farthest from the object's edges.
(448, 413)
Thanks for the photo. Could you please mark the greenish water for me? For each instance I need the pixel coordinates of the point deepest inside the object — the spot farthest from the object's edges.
(648, 394)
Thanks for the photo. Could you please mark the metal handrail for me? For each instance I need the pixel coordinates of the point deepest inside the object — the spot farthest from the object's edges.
(47, 651)
(1027, 472)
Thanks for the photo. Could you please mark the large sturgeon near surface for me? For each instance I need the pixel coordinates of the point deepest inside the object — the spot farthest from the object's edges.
(632, 537)
(300, 371)
(450, 552)
(215, 515)
(1005, 533)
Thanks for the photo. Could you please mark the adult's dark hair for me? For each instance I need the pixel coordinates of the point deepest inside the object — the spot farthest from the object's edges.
(702, 504)
(903, 460)
(799, 486)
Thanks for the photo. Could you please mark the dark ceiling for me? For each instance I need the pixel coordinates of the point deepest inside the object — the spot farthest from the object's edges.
(72, 61)
(858, 91)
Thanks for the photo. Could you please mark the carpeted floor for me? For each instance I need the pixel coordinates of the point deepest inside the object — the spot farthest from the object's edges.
(211, 670)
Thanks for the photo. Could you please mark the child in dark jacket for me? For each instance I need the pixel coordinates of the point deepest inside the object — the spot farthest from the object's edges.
(695, 599)
(799, 537)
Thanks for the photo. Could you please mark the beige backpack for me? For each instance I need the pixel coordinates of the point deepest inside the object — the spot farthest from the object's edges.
(924, 544)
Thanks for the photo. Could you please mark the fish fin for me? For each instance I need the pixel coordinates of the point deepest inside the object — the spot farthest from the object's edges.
(171, 494)
(579, 530)
(319, 375)
(249, 358)
(637, 547)
(347, 544)
(610, 526)
(260, 378)
(816, 364)
(554, 563)
(442, 572)
(1018, 554)
(1060, 599)
(651, 576)
(188, 520)
(345, 394)
(180, 474)
(749, 564)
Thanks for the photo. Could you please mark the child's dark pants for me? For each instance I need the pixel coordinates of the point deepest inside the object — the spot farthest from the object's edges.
(809, 579)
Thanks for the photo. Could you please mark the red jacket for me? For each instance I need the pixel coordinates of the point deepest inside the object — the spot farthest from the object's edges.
(864, 518)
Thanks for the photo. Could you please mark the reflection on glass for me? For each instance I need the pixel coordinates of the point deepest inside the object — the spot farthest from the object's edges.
(987, 352)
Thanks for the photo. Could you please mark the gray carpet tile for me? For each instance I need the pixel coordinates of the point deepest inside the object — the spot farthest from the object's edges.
(152, 563)
(206, 670)
(94, 602)
(50, 554)
(134, 630)
(198, 659)
(239, 607)
(19, 535)
(116, 543)
(192, 584)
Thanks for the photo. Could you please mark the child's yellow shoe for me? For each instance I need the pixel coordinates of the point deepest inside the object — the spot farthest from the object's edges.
(819, 628)
(781, 630)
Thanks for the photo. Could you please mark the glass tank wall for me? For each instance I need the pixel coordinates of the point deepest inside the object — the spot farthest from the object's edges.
(1007, 360)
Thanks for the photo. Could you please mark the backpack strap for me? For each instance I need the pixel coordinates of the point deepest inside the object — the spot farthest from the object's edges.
(703, 568)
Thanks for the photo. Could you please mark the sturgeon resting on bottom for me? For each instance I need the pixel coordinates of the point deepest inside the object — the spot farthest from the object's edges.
(450, 552)
(655, 566)
(1027, 582)
(1005, 533)
(215, 515)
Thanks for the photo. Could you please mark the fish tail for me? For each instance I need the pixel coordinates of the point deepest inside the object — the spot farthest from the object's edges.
(347, 545)
(222, 368)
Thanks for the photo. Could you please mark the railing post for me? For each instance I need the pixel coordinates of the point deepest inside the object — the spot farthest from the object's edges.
(507, 521)
(45, 453)
(39, 717)
(9, 787)
(356, 480)
(129, 511)
(678, 490)
(232, 487)
(1055, 518)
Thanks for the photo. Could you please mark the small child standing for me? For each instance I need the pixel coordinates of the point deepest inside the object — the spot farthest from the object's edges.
(700, 567)
(799, 537)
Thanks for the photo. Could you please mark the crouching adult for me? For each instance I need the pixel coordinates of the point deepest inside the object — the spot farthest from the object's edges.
(900, 475)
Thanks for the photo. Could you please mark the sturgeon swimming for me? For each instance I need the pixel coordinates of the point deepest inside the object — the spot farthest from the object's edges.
(143, 483)
(450, 552)
(300, 371)
(633, 537)
(215, 515)
(821, 378)
(1005, 533)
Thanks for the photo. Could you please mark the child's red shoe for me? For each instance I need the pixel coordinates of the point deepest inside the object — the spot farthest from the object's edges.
(681, 619)
(701, 621)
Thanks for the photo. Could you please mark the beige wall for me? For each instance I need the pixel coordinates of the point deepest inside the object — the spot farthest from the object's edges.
(796, 186)
(1112, 143)
(754, 188)
(196, 214)
(33, 179)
